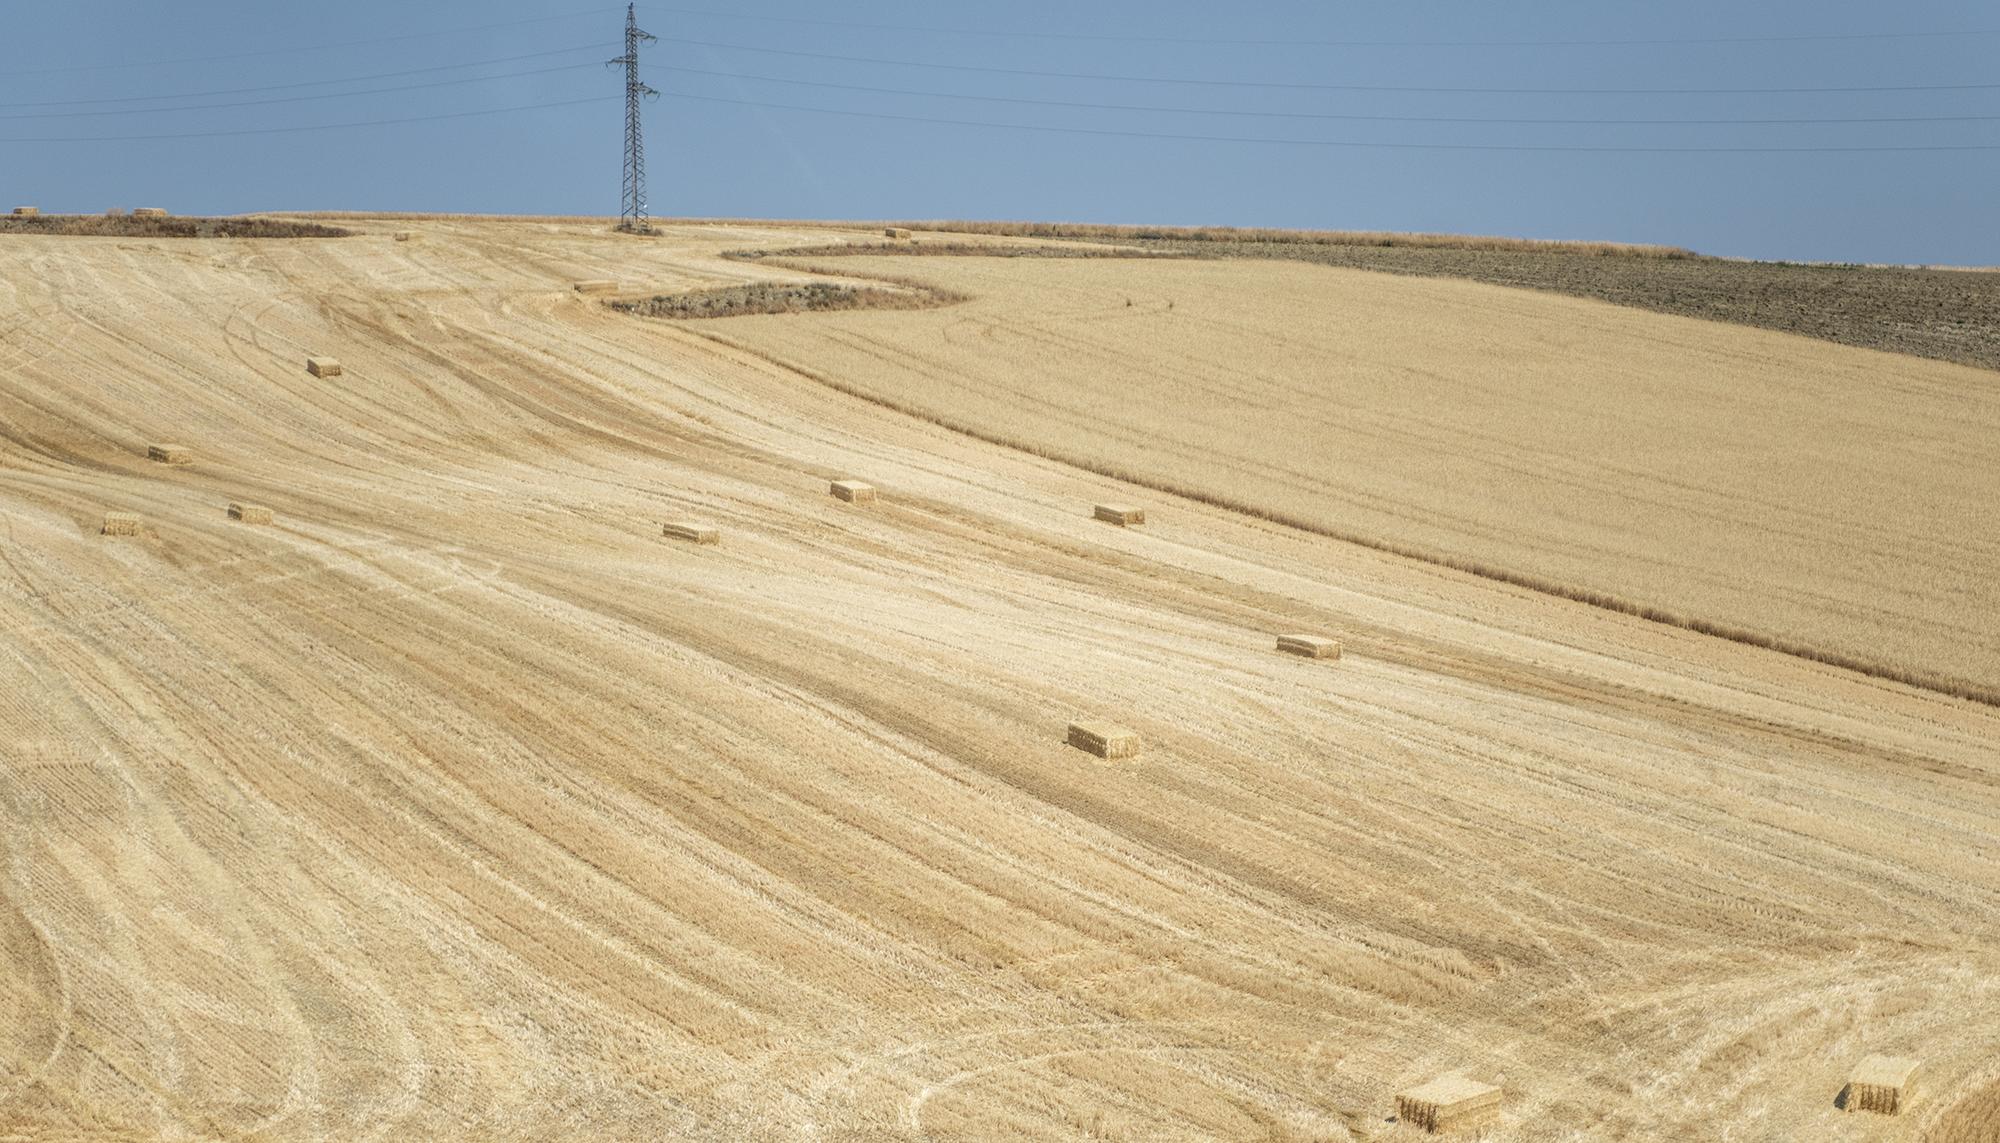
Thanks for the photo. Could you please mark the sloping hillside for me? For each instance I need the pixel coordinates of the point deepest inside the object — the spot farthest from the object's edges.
(1828, 500)
(458, 802)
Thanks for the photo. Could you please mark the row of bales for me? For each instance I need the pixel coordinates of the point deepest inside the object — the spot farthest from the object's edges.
(178, 455)
(132, 524)
(1106, 740)
(1451, 1104)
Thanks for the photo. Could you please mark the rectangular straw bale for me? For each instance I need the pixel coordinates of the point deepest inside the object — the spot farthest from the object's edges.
(1882, 1084)
(405, 235)
(149, 212)
(1449, 1103)
(1310, 646)
(249, 513)
(596, 286)
(1104, 739)
(170, 454)
(854, 491)
(121, 524)
(691, 531)
(896, 232)
(1120, 514)
(323, 367)
(27, 211)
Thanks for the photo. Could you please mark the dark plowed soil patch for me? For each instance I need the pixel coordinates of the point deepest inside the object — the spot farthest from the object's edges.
(783, 298)
(1949, 315)
(126, 226)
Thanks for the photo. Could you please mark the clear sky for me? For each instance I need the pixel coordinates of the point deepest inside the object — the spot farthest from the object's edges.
(1153, 99)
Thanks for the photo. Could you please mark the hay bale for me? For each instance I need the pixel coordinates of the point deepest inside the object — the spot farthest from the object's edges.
(1104, 739)
(1120, 514)
(1881, 1084)
(896, 232)
(854, 491)
(27, 211)
(170, 454)
(1310, 646)
(405, 235)
(692, 532)
(121, 524)
(1449, 1103)
(596, 286)
(149, 212)
(323, 367)
(249, 513)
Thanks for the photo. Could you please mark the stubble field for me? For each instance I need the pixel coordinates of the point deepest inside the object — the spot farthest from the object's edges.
(1764, 486)
(460, 803)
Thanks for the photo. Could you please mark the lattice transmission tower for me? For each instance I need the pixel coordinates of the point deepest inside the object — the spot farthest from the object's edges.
(632, 214)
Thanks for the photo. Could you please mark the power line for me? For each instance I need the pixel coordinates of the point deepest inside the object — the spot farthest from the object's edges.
(1673, 41)
(1071, 104)
(1041, 74)
(630, 60)
(1165, 136)
(296, 49)
(311, 127)
(298, 98)
(1397, 146)
(309, 82)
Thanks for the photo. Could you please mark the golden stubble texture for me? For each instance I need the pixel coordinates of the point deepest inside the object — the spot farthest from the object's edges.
(458, 802)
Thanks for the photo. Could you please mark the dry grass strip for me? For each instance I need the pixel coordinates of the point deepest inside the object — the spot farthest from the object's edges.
(1104, 739)
(934, 249)
(596, 286)
(1091, 231)
(1098, 232)
(691, 532)
(1449, 1103)
(1881, 1084)
(854, 491)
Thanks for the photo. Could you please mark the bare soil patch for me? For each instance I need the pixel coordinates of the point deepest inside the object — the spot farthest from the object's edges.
(1946, 315)
(784, 298)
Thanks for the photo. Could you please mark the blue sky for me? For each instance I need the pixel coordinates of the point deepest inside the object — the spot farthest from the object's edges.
(754, 147)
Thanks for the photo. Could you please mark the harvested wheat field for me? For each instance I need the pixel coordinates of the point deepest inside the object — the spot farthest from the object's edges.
(1820, 497)
(464, 802)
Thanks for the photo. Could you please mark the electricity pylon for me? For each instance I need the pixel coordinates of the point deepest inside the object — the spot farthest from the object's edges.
(632, 214)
